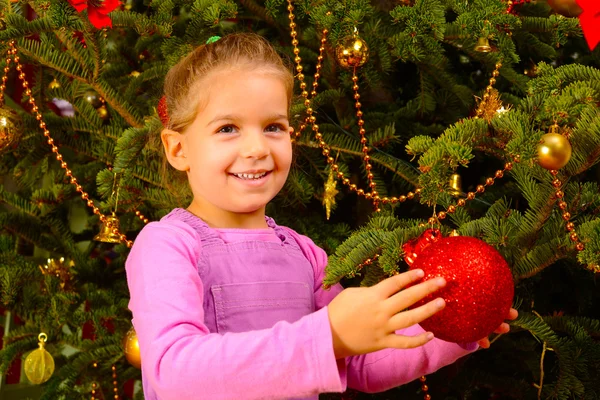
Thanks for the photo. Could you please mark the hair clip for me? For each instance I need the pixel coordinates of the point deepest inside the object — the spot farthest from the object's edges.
(213, 39)
(162, 111)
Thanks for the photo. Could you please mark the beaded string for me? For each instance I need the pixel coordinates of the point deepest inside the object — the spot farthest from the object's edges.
(12, 52)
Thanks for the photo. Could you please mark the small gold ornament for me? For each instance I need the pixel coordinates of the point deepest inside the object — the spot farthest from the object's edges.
(128, 4)
(92, 97)
(106, 234)
(454, 233)
(54, 84)
(10, 129)
(58, 268)
(483, 45)
(135, 74)
(352, 52)
(131, 348)
(330, 192)
(531, 70)
(566, 8)
(455, 185)
(554, 150)
(491, 106)
(39, 364)
(102, 112)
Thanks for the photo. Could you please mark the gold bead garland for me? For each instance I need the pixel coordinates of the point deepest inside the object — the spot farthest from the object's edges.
(115, 383)
(12, 51)
(311, 119)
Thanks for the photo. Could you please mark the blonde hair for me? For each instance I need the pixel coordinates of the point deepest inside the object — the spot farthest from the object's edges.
(183, 89)
(183, 83)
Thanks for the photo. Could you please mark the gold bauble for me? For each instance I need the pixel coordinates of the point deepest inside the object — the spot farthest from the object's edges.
(10, 129)
(131, 348)
(39, 364)
(102, 112)
(58, 268)
(353, 52)
(567, 8)
(92, 97)
(554, 151)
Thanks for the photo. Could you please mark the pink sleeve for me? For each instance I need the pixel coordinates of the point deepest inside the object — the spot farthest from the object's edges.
(181, 359)
(388, 368)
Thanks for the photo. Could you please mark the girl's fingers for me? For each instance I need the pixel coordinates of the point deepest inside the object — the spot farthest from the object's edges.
(513, 314)
(503, 328)
(414, 316)
(410, 296)
(393, 285)
(394, 341)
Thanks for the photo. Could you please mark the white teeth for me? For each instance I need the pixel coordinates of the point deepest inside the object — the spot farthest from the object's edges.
(250, 176)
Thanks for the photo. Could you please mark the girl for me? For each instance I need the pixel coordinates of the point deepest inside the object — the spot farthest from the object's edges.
(229, 305)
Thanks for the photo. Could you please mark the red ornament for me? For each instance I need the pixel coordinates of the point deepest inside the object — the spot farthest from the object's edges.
(479, 289)
(98, 15)
(163, 112)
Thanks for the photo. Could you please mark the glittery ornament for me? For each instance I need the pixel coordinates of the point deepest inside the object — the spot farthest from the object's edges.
(329, 195)
(352, 52)
(479, 289)
(162, 111)
(131, 348)
(554, 150)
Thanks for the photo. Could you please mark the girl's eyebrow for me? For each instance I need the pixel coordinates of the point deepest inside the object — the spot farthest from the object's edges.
(233, 117)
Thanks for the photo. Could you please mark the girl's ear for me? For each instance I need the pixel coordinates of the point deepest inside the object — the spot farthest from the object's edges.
(174, 149)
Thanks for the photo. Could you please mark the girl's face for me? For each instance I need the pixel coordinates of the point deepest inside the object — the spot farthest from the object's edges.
(238, 149)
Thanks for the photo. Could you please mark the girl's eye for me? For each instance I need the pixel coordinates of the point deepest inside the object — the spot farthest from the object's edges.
(227, 129)
(275, 128)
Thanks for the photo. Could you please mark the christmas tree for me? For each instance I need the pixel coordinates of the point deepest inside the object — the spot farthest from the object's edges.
(396, 103)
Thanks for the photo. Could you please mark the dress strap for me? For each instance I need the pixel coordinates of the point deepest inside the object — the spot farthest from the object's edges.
(286, 238)
(207, 234)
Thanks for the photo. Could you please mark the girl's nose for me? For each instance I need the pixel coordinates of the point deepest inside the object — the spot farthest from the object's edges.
(255, 145)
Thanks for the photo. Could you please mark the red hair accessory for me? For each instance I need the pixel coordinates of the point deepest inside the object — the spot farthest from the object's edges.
(163, 112)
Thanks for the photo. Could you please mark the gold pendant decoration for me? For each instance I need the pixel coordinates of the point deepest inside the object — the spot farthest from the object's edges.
(107, 230)
(330, 192)
(58, 268)
(483, 45)
(39, 364)
(54, 84)
(554, 150)
(131, 348)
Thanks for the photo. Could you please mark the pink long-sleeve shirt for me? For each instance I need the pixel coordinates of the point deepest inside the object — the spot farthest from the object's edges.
(242, 314)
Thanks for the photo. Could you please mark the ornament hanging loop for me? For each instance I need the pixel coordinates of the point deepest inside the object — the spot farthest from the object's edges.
(43, 338)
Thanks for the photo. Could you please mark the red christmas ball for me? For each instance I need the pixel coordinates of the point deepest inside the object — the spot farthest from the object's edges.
(479, 289)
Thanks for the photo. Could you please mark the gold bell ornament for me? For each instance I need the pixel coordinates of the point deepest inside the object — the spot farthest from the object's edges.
(131, 348)
(455, 185)
(554, 150)
(39, 364)
(483, 45)
(107, 234)
(352, 52)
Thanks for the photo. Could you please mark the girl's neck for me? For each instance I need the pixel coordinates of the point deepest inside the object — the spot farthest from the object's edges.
(223, 219)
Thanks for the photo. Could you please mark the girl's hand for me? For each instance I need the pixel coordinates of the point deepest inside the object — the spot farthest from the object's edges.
(503, 328)
(364, 320)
